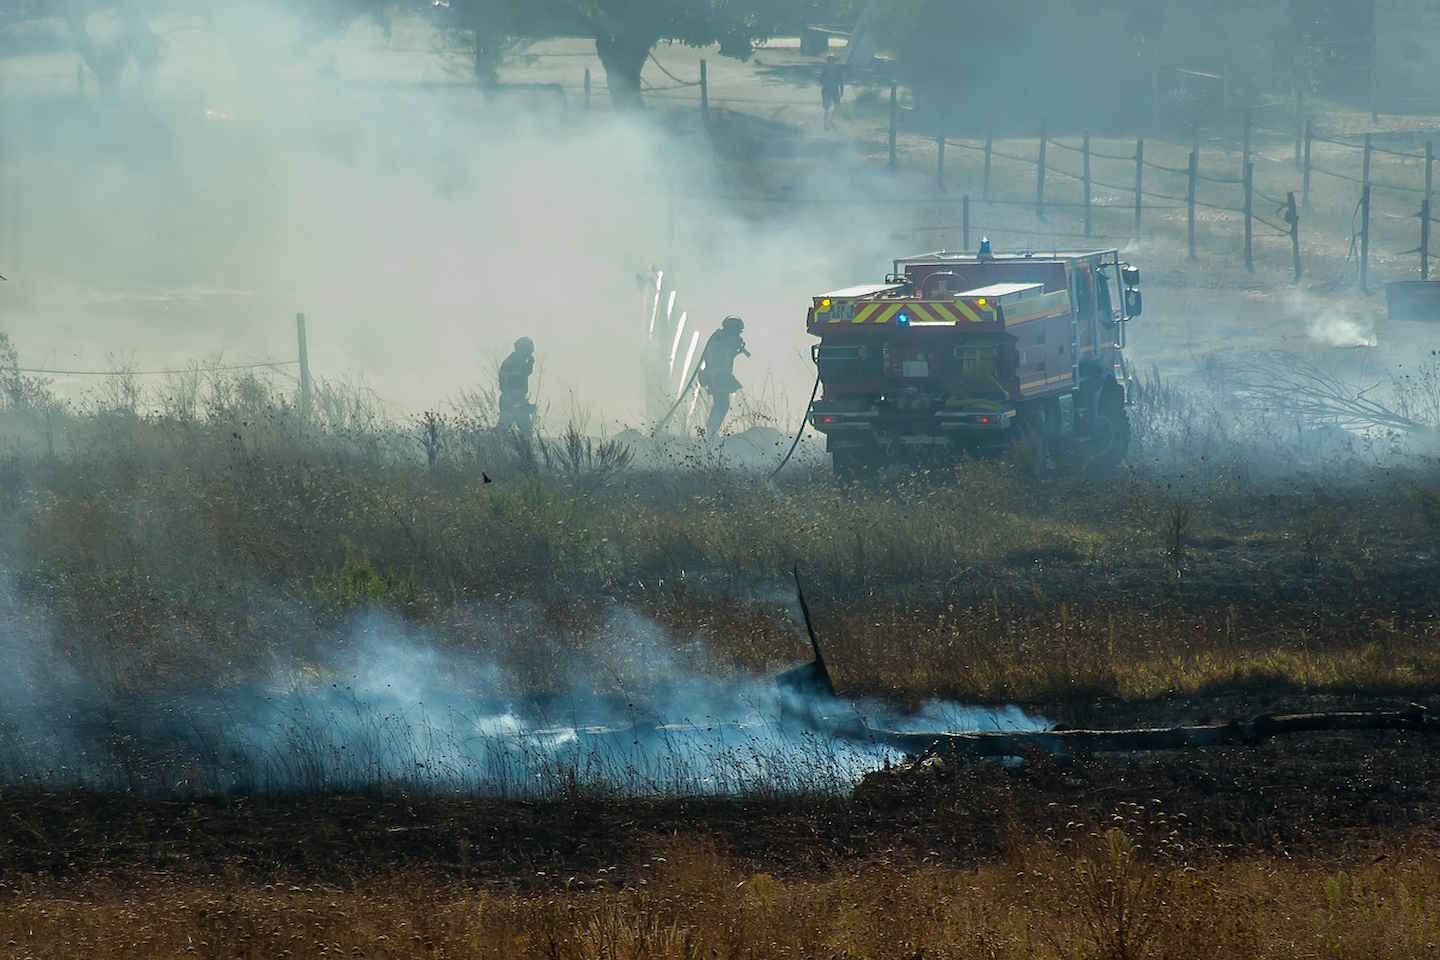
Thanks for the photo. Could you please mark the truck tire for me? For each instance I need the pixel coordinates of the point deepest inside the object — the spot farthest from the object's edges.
(1110, 433)
(1032, 450)
(850, 464)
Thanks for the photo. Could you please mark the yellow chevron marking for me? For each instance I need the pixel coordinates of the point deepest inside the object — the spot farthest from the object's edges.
(968, 312)
(888, 314)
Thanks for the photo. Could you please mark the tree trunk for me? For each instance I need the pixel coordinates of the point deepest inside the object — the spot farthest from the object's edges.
(623, 57)
(489, 51)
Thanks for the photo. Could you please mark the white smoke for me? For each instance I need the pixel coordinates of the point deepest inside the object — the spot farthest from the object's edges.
(397, 709)
(1334, 323)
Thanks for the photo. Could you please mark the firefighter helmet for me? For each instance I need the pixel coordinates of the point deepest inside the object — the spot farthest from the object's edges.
(733, 324)
(525, 345)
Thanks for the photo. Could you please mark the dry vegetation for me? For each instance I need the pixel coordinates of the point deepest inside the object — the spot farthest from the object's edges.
(214, 529)
(190, 541)
(1111, 894)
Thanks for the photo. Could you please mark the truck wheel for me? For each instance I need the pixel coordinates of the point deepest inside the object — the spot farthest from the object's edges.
(849, 464)
(1110, 433)
(1032, 451)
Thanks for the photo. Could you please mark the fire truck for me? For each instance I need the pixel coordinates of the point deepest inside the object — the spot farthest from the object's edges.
(960, 353)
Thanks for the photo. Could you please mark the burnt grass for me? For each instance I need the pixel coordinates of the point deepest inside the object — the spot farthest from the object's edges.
(1328, 798)
(158, 556)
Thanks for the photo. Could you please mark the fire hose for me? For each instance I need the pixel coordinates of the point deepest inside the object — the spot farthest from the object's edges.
(680, 398)
(804, 420)
(809, 406)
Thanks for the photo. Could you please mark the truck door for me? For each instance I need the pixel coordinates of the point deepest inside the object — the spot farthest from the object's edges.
(1104, 311)
(1085, 306)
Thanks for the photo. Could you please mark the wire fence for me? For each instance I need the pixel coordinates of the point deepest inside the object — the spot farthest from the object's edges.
(1218, 177)
(124, 371)
(297, 370)
(1402, 163)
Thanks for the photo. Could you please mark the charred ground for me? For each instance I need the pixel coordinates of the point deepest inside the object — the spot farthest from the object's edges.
(1162, 596)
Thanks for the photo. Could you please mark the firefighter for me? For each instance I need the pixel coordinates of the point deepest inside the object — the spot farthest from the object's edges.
(832, 88)
(717, 371)
(516, 409)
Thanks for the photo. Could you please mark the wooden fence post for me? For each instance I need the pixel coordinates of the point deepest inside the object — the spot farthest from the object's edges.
(1299, 122)
(1190, 198)
(1249, 216)
(1374, 107)
(304, 369)
(1139, 180)
(894, 107)
(1309, 136)
(940, 161)
(1086, 176)
(17, 216)
(1425, 213)
(1245, 151)
(587, 88)
(1365, 221)
(1293, 216)
(1040, 177)
(965, 223)
(989, 146)
(704, 90)
(1365, 238)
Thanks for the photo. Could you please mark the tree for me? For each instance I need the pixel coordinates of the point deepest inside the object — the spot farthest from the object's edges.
(624, 31)
(1076, 62)
(492, 26)
(17, 390)
(107, 36)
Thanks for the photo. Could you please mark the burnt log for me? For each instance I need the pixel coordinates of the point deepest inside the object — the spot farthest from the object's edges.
(1069, 742)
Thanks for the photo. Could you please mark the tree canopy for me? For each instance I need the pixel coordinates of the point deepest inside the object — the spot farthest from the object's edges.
(977, 63)
(625, 31)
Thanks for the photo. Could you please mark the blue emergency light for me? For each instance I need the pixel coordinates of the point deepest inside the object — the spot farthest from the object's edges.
(985, 247)
(902, 319)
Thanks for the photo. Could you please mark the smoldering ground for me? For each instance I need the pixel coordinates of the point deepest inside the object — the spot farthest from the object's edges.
(392, 707)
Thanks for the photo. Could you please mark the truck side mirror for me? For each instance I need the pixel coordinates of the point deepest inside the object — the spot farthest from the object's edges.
(1133, 303)
(1130, 275)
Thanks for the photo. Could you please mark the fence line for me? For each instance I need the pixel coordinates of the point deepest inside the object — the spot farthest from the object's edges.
(661, 67)
(122, 372)
(1137, 197)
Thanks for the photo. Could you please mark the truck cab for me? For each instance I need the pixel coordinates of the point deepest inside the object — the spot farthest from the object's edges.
(957, 353)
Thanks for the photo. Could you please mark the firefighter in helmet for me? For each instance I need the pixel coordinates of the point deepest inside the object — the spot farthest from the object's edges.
(516, 409)
(717, 371)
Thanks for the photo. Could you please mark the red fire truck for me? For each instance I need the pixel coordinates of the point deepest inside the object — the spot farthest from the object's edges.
(957, 353)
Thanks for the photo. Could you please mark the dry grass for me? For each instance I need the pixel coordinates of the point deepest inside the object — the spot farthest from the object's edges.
(160, 556)
(1118, 894)
(159, 545)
